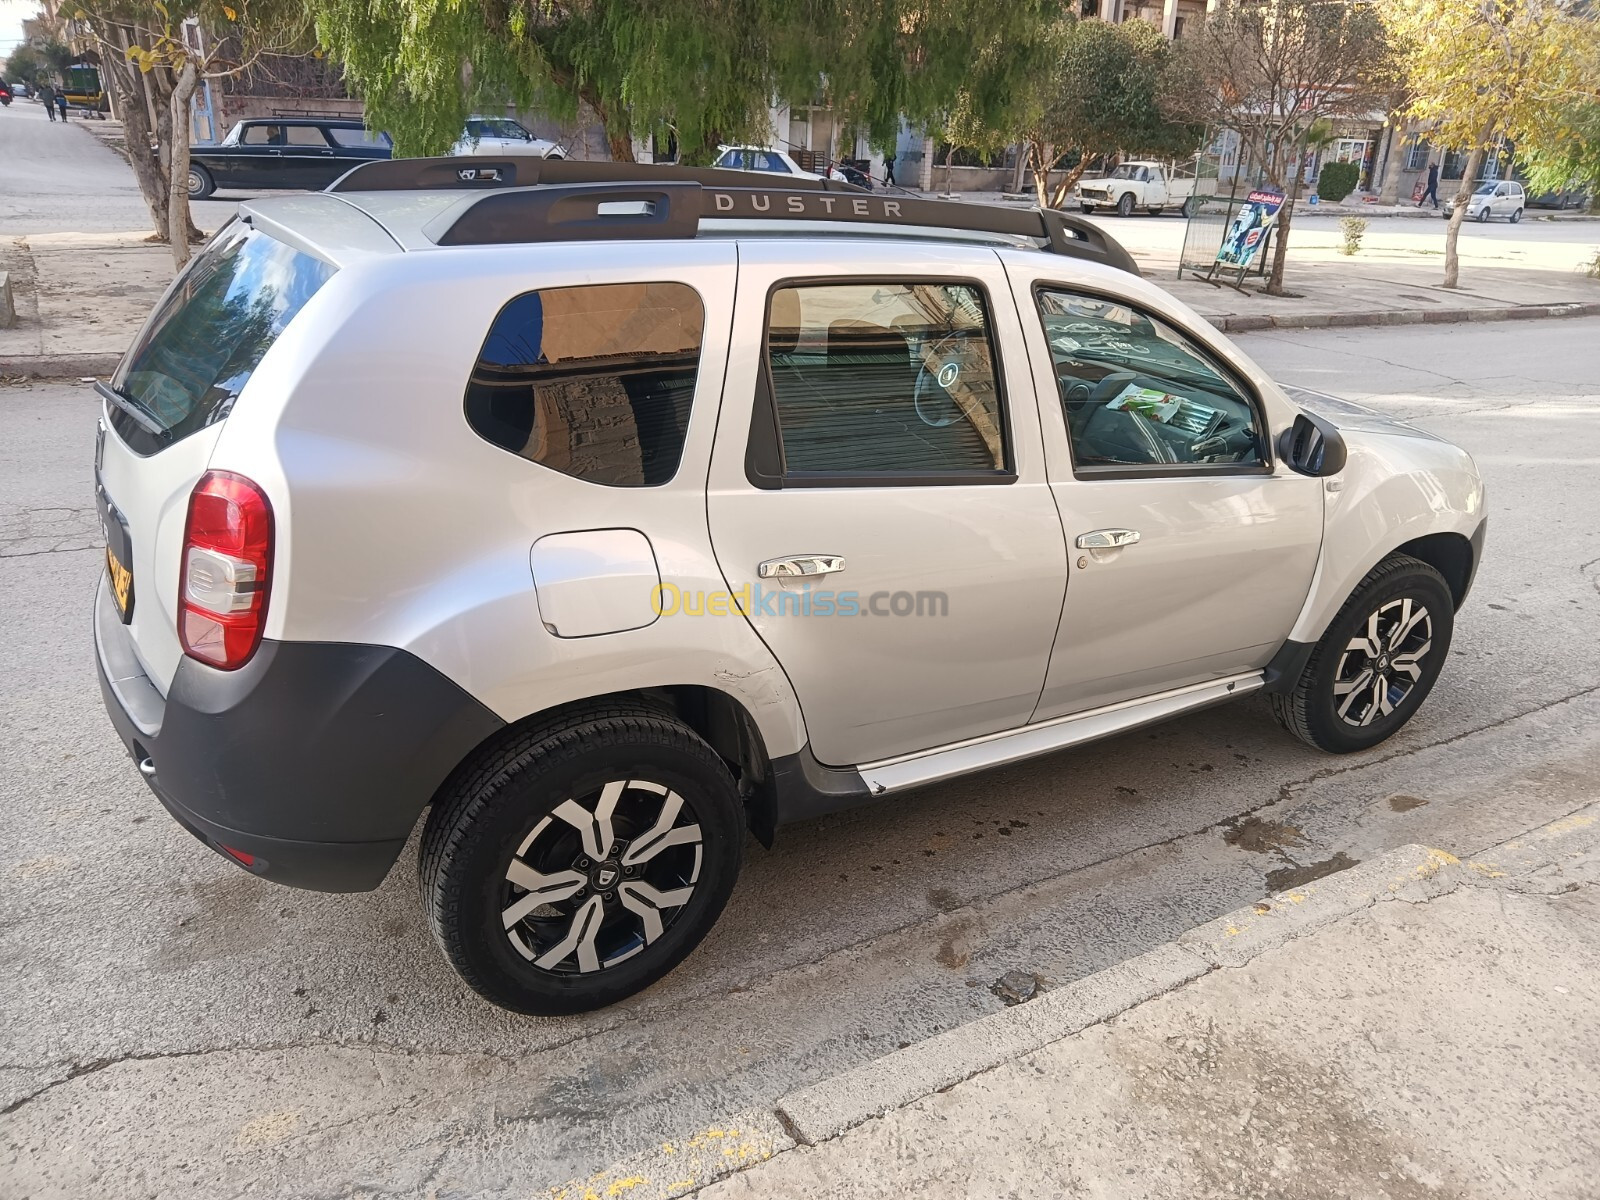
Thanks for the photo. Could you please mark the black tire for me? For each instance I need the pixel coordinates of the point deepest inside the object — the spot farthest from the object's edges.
(1086, 208)
(1190, 206)
(1311, 710)
(1483, 215)
(1516, 215)
(499, 815)
(201, 185)
(1125, 204)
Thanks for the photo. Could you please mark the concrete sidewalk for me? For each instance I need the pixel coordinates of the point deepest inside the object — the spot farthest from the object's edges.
(1415, 1026)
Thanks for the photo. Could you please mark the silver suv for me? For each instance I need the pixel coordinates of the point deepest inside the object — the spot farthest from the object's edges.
(605, 513)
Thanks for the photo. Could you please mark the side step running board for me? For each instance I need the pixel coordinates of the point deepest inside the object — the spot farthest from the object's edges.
(1014, 745)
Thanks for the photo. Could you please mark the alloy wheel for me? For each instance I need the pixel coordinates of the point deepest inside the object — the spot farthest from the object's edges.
(602, 877)
(1382, 664)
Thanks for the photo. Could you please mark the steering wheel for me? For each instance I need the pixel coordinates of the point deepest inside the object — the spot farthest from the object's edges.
(943, 362)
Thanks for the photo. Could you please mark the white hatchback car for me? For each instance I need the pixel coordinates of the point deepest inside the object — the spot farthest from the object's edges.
(768, 161)
(502, 135)
(606, 512)
(1496, 198)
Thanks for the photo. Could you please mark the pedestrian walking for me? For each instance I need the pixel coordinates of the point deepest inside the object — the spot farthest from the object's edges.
(61, 103)
(1432, 192)
(888, 170)
(47, 97)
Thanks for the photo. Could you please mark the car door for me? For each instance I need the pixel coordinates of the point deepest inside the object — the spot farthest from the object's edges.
(1192, 550)
(877, 498)
(307, 159)
(242, 164)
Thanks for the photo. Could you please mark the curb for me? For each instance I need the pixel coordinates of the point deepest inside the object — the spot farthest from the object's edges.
(1251, 322)
(825, 1110)
(58, 366)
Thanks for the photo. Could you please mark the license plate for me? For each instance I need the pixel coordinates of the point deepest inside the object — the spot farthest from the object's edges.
(119, 554)
(121, 585)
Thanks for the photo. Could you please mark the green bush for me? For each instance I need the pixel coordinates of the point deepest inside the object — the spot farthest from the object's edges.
(1338, 180)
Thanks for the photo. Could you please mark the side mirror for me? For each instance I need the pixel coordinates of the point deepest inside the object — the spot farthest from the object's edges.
(1313, 446)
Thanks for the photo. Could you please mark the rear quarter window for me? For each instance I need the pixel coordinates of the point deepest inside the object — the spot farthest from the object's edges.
(595, 382)
(209, 334)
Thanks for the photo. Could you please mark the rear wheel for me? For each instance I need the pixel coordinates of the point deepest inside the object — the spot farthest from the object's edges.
(1125, 204)
(1191, 206)
(1516, 215)
(1376, 663)
(582, 861)
(201, 184)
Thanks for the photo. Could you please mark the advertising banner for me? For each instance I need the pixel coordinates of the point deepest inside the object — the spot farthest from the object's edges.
(1248, 231)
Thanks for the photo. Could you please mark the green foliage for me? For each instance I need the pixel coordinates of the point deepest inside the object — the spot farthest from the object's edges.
(1105, 94)
(706, 69)
(1353, 228)
(28, 65)
(1338, 180)
(1570, 161)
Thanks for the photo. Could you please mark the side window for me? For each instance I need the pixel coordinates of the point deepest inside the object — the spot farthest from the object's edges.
(879, 382)
(259, 135)
(771, 162)
(304, 135)
(595, 382)
(364, 139)
(1137, 393)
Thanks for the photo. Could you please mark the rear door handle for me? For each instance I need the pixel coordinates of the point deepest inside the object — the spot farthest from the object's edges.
(1107, 539)
(800, 566)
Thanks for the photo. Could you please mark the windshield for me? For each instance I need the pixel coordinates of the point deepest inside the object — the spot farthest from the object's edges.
(1486, 189)
(494, 127)
(211, 331)
(1125, 171)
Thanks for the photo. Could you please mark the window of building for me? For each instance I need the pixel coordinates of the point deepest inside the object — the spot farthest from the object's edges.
(1455, 163)
(1417, 155)
(1138, 393)
(595, 382)
(879, 382)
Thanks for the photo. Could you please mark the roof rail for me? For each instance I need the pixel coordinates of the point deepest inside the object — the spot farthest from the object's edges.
(595, 201)
(519, 170)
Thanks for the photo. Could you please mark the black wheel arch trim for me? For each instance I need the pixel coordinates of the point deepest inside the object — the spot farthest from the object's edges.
(315, 757)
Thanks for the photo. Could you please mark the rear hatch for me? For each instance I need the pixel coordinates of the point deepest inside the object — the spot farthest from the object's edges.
(164, 410)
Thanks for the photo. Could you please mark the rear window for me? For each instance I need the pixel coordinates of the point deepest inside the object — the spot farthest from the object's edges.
(210, 332)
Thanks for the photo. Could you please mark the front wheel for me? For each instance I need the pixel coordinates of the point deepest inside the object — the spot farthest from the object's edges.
(583, 860)
(1376, 663)
(1125, 205)
(1483, 215)
(201, 184)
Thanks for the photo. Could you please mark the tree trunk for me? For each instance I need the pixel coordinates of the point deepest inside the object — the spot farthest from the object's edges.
(1291, 193)
(1069, 181)
(126, 81)
(619, 132)
(1041, 155)
(1458, 209)
(1389, 193)
(179, 227)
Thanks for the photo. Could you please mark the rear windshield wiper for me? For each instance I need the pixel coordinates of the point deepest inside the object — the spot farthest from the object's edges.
(134, 409)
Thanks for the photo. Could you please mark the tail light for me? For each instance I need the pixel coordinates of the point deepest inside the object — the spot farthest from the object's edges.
(227, 565)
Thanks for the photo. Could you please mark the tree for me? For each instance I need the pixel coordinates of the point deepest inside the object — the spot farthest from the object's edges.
(1103, 97)
(705, 69)
(1272, 69)
(1571, 162)
(1483, 69)
(156, 55)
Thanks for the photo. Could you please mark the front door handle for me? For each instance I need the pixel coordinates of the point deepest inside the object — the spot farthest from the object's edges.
(800, 566)
(1107, 539)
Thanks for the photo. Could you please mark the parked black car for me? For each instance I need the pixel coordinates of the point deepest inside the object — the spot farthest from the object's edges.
(284, 152)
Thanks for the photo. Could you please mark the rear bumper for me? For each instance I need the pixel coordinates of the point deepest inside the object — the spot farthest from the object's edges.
(308, 766)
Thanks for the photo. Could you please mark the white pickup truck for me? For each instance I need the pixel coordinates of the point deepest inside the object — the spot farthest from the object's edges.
(1147, 185)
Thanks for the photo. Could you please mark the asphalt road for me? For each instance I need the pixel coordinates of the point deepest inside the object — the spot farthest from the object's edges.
(172, 1026)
